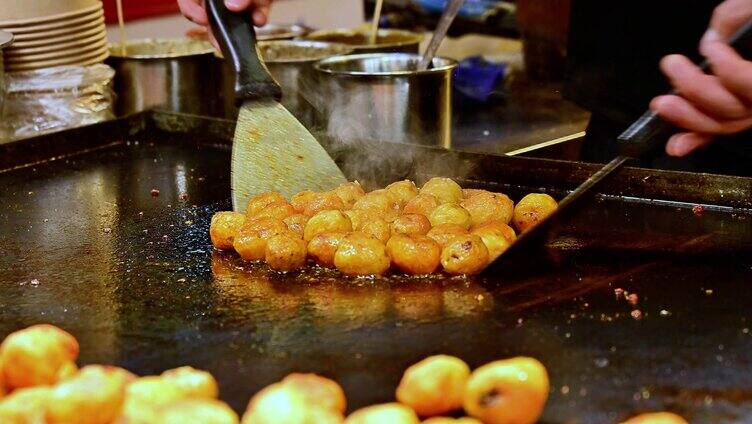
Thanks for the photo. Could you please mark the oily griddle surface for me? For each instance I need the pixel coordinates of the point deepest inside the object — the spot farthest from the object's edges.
(134, 278)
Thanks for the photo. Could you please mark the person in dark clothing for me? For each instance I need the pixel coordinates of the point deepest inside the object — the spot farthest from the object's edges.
(623, 55)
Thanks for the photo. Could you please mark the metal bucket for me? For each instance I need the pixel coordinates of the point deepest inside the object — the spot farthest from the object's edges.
(6, 39)
(388, 40)
(378, 97)
(173, 74)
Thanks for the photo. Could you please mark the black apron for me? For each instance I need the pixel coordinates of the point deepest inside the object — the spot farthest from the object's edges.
(612, 70)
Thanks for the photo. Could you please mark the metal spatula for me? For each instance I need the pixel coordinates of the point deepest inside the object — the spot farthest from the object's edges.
(638, 139)
(271, 151)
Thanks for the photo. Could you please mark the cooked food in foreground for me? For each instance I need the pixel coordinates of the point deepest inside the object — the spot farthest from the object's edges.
(511, 391)
(417, 231)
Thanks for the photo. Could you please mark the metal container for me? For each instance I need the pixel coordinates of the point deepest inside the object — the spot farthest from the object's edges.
(173, 74)
(271, 31)
(381, 97)
(6, 39)
(388, 40)
(291, 64)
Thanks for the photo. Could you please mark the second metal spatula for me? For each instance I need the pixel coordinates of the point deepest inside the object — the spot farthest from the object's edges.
(272, 150)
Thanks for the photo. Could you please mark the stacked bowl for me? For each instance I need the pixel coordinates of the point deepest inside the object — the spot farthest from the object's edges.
(52, 33)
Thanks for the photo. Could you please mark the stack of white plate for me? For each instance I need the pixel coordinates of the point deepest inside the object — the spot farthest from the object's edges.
(53, 33)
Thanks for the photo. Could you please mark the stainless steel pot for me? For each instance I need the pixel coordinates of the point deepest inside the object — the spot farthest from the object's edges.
(388, 40)
(173, 74)
(6, 39)
(378, 97)
(272, 31)
(291, 64)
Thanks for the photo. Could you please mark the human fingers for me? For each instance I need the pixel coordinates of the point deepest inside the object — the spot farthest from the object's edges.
(685, 143)
(683, 114)
(194, 11)
(727, 18)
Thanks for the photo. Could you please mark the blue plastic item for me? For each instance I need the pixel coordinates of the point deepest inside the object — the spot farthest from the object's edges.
(478, 78)
(470, 9)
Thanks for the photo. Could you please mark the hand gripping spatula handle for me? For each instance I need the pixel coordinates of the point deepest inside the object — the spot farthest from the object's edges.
(641, 137)
(271, 151)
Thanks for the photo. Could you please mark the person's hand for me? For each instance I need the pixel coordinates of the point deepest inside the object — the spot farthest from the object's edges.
(709, 105)
(258, 11)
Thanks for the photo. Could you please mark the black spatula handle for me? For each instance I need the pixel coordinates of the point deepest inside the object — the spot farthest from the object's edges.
(237, 39)
(650, 129)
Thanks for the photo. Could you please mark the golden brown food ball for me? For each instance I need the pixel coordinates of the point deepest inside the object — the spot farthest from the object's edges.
(392, 413)
(532, 209)
(379, 203)
(192, 382)
(286, 252)
(261, 201)
(417, 255)
(402, 191)
(445, 189)
(466, 255)
(318, 391)
(250, 242)
(495, 240)
(422, 204)
(325, 201)
(277, 404)
(323, 246)
(224, 226)
(656, 418)
(36, 356)
(278, 211)
(450, 420)
(434, 386)
(93, 396)
(358, 218)
(327, 222)
(500, 227)
(349, 193)
(511, 391)
(450, 213)
(144, 396)
(25, 406)
(444, 233)
(486, 206)
(411, 224)
(296, 223)
(196, 411)
(377, 228)
(301, 200)
(470, 192)
(359, 254)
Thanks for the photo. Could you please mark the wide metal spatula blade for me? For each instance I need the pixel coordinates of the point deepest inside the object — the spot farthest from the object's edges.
(273, 151)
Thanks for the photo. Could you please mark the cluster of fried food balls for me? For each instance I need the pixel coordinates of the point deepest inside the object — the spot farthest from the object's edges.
(40, 383)
(401, 227)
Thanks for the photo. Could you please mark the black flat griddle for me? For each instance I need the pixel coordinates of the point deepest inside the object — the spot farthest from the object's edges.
(88, 248)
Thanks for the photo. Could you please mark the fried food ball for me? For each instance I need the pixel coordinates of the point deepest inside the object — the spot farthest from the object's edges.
(486, 206)
(250, 242)
(422, 204)
(145, 396)
(466, 255)
(296, 223)
(286, 252)
(510, 391)
(494, 238)
(196, 411)
(411, 224)
(532, 209)
(93, 396)
(301, 200)
(323, 246)
(192, 382)
(37, 356)
(326, 222)
(434, 386)
(282, 404)
(326, 201)
(450, 213)
(392, 413)
(656, 418)
(450, 420)
(500, 227)
(470, 192)
(417, 255)
(349, 193)
(402, 191)
(445, 189)
(224, 226)
(261, 201)
(278, 211)
(379, 203)
(444, 233)
(318, 391)
(25, 406)
(378, 229)
(359, 254)
(358, 218)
